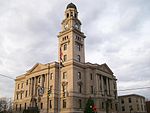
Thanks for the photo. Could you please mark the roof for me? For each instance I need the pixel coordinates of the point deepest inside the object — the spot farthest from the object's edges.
(71, 5)
(131, 95)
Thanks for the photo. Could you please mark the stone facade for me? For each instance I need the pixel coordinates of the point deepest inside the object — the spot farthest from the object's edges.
(132, 104)
(65, 88)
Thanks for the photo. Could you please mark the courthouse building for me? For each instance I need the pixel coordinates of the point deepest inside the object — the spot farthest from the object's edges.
(66, 85)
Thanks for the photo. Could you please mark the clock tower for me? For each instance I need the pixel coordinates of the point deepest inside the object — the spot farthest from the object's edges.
(71, 39)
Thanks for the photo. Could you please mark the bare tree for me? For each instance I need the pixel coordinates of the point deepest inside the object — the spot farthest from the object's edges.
(5, 105)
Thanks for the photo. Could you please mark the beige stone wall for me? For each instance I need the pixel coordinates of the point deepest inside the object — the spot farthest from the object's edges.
(137, 103)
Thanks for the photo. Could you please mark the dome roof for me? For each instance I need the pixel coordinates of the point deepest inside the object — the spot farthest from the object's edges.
(71, 5)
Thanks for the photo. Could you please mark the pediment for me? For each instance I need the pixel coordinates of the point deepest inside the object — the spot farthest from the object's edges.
(36, 67)
(105, 68)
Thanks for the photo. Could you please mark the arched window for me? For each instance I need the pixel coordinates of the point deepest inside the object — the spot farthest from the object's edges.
(79, 75)
(80, 88)
(78, 58)
(65, 46)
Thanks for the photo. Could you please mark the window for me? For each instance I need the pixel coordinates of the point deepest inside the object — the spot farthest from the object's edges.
(80, 103)
(50, 103)
(26, 93)
(51, 88)
(91, 76)
(41, 105)
(78, 58)
(92, 90)
(138, 107)
(17, 96)
(64, 88)
(123, 108)
(80, 88)
(16, 107)
(78, 46)
(64, 75)
(129, 100)
(75, 15)
(65, 58)
(65, 47)
(64, 103)
(20, 107)
(39, 79)
(51, 76)
(18, 86)
(102, 105)
(22, 85)
(116, 106)
(25, 106)
(130, 108)
(79, 75)
(122, 101)
(21, 96)
(67, 15)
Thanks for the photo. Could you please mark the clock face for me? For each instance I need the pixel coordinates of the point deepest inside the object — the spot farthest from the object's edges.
(76, 26)
(66, 26)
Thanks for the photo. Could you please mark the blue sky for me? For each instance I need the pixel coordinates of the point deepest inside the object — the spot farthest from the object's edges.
(117, 34)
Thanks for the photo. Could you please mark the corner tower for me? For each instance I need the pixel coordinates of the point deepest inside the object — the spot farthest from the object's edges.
(71, 39)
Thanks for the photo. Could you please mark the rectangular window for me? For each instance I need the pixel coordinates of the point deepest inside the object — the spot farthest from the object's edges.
(64, 75)
(79, 75)
(17, 96)
(122, 101)
(26, 93)
(50, 103)
(41, 105)
(51, 76)
(80, 103)
(21, 96)
(39, 79)
(16, 107)
(123, 108)
(129, 100)
(91, 76)
(65, 58)
(102, 105)
(25, 106)
(64, 103)
(18, 86)
(20, 107)
(92, 91)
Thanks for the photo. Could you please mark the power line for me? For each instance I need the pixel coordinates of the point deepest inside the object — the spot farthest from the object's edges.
(134, 89)
(117, 90)
(7, 76)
